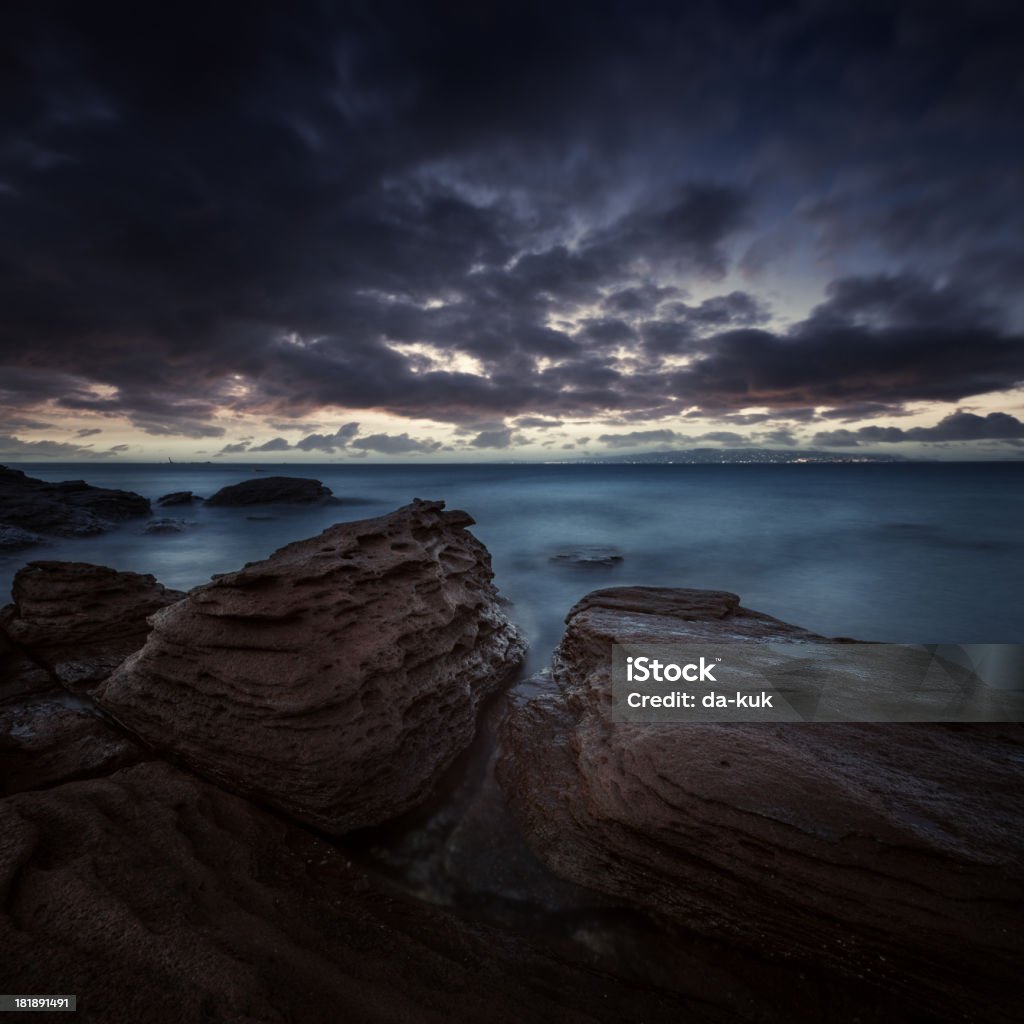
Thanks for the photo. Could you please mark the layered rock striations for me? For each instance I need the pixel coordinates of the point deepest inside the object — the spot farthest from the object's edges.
(155, 896)
(79, 620)
(891, 853)
(70, 625)
(337, 679)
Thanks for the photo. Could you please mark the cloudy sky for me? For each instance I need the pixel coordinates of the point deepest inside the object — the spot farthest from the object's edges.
(467, 230)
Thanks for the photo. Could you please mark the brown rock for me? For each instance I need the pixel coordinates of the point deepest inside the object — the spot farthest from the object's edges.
(79, 620)
(338, 678)
(53, 737)
(893, 853)
(156, 897)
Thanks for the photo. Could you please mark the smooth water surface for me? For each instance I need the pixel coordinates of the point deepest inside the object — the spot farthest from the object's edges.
(912, 553)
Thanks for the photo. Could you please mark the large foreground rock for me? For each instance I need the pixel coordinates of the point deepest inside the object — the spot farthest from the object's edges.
(79, 620)
(272, 490)
(886, 852)
(338, 678)
(154, 896)
(72, 508)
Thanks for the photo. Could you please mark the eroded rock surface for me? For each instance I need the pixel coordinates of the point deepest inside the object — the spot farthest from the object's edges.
(71, 508)
(272, 490)
(893, 853)
(79, 620)
(338, 678)
(157, 897)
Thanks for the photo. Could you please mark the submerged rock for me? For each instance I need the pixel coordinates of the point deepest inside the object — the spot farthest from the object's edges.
(164, 526)
(72, 508)
(889, 852)
(588, 556)
(178, 498)
(80, 620)
(338, 678)
(272, 490)
(14, 538)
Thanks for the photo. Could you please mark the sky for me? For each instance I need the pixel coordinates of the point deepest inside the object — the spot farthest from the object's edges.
(479, 231)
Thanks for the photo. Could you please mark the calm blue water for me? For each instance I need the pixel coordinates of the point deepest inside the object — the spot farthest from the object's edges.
(916, 553)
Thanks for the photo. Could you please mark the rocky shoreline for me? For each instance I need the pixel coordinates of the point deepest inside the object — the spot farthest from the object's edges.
(305, 791)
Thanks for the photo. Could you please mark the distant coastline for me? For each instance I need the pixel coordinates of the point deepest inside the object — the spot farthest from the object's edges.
(711, 456)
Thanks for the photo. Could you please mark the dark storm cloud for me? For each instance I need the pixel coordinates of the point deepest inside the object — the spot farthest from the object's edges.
(641, 437)
(863, 411)
(493, 439)
(887, 340)
(328, 442)
(10, 422)
(537, 422)
(275, 444)
(958, 426)
(395, 444)
(15, 449)
(330, 206)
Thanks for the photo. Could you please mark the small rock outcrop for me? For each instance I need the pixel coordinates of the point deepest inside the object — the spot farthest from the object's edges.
(338, 678)
(14, 538)
(72, 508)
(164, 525)
(588, 556)
(79, 620)
(178, 498)
(890, 852)
(271, 490)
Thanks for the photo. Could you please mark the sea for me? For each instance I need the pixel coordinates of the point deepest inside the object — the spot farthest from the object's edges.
(893, 552)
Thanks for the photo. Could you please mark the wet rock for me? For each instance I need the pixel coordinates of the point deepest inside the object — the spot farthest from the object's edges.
(157, 897)
(588, 556)
(72, 508)
(165, 526)
(80, 620)
(891, 852)
(272, 490)
(179, 498)
(13, 538)
(337, 679)
(52, 737)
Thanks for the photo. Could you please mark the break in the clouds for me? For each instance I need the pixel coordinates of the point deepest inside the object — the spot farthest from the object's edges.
(428, 228)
